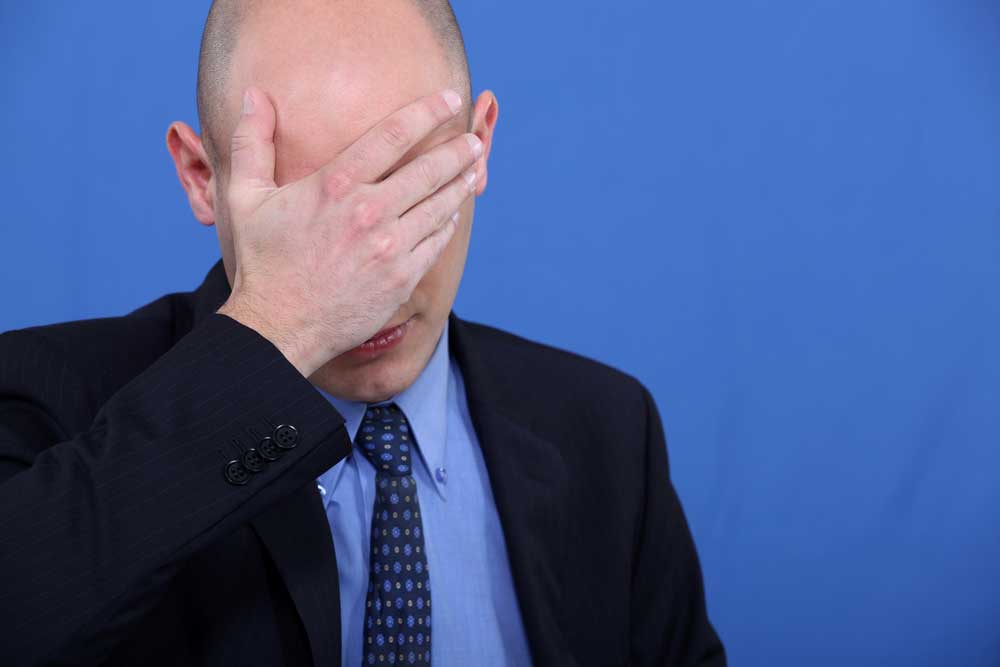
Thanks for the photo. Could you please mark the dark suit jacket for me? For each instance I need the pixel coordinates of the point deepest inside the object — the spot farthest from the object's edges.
(123, 542)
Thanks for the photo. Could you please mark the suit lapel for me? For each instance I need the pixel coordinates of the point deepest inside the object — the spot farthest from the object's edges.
(529, 480)
(297, 536)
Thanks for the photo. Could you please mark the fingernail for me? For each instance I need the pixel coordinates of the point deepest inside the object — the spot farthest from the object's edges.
(247, 103)
(470, 176)
(475, 144)
(453, 100)
(454, 216)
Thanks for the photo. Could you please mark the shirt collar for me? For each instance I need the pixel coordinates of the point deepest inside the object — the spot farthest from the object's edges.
(425, 405)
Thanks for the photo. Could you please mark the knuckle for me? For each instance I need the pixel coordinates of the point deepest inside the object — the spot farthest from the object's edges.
(337, 184)
(426, 171)
(240, 141)
(395, 133)
(429, 215)
(385, 246)
(366, 212)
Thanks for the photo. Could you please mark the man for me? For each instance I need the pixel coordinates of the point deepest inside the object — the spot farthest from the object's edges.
(180, 484)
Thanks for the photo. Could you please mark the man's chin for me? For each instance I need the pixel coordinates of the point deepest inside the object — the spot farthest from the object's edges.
(374, 377)
(377, 379)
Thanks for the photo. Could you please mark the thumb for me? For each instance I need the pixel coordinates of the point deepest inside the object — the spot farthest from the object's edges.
(251, 160)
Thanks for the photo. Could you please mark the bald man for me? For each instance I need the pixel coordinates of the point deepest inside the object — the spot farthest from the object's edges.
(311, 459)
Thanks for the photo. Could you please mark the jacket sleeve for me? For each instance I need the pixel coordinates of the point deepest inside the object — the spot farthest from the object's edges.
(93, 524)
(669, 620)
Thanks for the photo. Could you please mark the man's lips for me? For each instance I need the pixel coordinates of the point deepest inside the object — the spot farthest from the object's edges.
(383, 341)
(385, 332)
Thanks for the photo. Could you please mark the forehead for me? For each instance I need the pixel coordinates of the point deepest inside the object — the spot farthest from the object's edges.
(333, 70)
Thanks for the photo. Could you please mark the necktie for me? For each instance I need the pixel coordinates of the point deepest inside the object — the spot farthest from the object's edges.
(398, 605)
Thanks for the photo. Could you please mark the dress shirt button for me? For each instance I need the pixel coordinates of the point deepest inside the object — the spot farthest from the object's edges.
(442, 475)
(253, 461)
(286, 435)
(236, 473)
(268, 450)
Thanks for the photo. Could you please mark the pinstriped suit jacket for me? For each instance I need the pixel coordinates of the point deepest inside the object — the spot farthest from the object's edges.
(122, 542)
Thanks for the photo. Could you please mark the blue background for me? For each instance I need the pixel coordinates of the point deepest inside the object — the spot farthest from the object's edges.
(782, 216)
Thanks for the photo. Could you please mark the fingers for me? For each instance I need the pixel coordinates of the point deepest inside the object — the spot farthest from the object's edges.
(429, 249)
(434, 212)
(381, 147)
(251, 159)
(425, 174)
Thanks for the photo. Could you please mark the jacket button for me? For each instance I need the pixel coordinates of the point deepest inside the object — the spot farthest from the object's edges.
(253, 461)
(268, 450)
(236, 473)
(286, 436)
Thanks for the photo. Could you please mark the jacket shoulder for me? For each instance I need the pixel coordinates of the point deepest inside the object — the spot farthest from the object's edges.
(543, 371)
(71, 368)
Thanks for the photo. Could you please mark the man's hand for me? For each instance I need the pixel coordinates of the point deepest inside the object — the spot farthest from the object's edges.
(324, 262)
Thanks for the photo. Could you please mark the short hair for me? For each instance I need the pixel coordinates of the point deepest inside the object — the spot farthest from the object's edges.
(221, 32)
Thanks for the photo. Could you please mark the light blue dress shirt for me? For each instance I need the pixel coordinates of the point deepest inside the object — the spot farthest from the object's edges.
(475, 617)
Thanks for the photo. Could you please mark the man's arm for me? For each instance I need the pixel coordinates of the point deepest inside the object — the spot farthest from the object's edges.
(669, 621)
(94, 524)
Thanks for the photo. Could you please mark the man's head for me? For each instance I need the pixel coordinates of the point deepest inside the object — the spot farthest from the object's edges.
(227, 18)
(333, 69)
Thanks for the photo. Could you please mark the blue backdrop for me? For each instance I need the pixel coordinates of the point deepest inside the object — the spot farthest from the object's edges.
(781, 215)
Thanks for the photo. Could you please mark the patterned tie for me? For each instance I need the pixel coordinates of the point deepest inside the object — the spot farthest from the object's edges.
(398, 606)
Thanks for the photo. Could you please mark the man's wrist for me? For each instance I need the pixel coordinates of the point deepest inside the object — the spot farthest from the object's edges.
(289, 345)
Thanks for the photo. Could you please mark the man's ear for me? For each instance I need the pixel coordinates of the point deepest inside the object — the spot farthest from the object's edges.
(193, 169)
(484, 120)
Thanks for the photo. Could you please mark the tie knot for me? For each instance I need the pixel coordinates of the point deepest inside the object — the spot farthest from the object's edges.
(385, 439)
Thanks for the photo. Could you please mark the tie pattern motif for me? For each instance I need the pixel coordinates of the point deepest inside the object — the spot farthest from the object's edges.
(398, 605)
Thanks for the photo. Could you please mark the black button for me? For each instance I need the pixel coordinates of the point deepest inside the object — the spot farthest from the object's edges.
(286, 436)
(252, 460)
(236, 473)
(268, 450)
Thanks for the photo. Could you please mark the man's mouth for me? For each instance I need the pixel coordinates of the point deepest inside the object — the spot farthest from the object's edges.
(384, 340)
